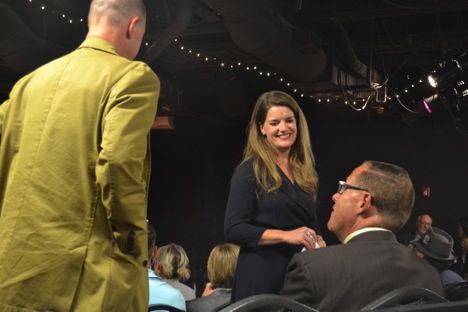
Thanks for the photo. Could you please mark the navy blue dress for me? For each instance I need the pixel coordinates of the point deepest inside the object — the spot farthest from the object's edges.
(249, 212)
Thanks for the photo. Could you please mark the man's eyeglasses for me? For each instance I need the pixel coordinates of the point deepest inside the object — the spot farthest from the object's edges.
(343, 186)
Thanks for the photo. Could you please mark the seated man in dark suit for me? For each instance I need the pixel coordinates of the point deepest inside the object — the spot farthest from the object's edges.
(375, 201)
(423, 223)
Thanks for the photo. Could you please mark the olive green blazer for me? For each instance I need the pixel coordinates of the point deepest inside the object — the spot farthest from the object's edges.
(74, 174)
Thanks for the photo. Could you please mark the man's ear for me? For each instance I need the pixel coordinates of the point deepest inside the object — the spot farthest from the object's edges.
(368, 198)
(365, 203)
(134, 23)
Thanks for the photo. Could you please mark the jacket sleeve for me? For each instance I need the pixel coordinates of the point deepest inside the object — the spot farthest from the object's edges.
(239, 227)
(122, 170)
(3, 109)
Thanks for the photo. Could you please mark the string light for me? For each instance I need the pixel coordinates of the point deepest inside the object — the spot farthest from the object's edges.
(54, 12)
(292, 86)
(288, 84)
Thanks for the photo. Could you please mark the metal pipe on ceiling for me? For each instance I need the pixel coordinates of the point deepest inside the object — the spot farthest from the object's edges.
(175, 28)
(257, 29)
(20, 49)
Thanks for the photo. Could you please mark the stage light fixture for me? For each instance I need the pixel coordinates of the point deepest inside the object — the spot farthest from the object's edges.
(446, 74)
(432, 81)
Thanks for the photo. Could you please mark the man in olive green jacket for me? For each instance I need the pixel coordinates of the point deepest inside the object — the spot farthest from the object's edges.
(74, 173)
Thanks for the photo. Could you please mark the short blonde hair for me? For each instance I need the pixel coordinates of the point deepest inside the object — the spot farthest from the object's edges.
(222, 265)
(115, 11)
(174, 262)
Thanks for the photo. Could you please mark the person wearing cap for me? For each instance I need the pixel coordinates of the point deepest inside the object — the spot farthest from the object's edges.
(436, 247)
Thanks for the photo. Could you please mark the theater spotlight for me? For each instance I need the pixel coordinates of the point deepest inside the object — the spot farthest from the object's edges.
(446, 74)
(432, 80)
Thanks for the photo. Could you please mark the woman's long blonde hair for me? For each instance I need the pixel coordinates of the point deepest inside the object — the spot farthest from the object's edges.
(301, 158)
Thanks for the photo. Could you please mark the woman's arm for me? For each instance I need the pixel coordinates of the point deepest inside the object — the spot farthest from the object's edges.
(300, 236)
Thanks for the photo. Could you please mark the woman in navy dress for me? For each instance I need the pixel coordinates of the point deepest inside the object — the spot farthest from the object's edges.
(271, 210)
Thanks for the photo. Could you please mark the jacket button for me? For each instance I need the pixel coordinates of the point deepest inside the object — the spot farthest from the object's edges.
(145, 263)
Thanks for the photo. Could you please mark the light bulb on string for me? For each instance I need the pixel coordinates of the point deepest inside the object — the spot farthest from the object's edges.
(62, 15)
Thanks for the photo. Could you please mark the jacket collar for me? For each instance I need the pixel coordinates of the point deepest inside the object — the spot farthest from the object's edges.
(293, 191)
(98, 44)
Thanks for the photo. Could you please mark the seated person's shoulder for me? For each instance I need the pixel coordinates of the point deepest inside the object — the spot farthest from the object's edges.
(207, 303)
(161, 292)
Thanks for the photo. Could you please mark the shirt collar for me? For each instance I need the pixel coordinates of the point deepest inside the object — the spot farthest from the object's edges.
(364, 230)
(152, 274)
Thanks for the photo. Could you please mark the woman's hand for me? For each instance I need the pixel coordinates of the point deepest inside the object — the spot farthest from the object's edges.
(300, 236)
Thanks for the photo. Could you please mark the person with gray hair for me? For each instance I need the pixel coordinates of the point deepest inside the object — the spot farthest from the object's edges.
(74, 173)
(423, 223)
(374, 202)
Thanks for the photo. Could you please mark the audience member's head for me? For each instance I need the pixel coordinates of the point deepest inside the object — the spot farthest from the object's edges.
(222, 265)
(121, 22)
(376, 194)
(172, 262)
(423, 223)
(436, 246)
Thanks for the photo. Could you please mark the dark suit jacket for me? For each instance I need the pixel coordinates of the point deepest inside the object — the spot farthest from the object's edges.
(348, 277)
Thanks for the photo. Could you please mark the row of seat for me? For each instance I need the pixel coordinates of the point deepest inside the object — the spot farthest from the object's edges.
(403, 299)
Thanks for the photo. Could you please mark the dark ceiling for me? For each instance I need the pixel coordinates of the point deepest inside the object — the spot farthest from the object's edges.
(361, 50)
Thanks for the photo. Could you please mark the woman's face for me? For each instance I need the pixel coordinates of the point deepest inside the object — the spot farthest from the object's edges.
(280, 128)
(460, 231)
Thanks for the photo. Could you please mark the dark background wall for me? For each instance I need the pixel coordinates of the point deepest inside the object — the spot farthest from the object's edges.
(193, 164)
